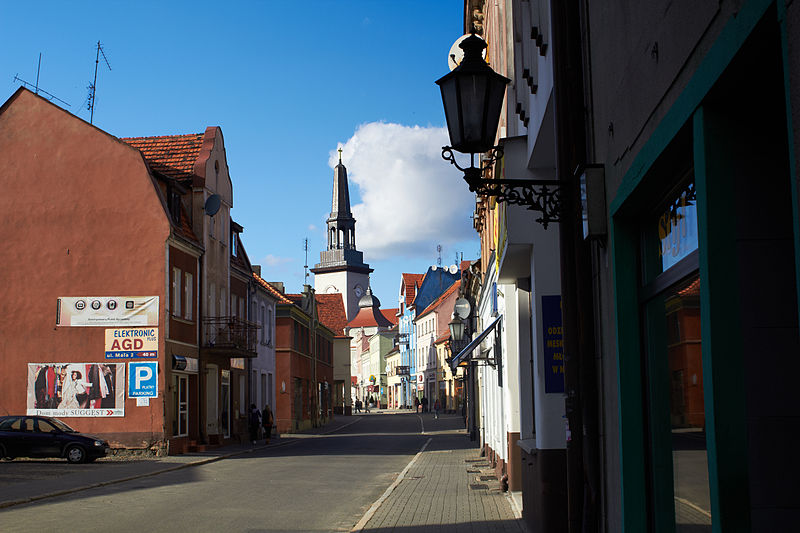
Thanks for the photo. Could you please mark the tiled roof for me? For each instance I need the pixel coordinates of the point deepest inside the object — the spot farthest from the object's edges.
(171, 155)
(445, 336)
(693, 289)
(410, 284)
(331, 312)
(272, 290)
(391, 315)
(450, 290)
(369, 317)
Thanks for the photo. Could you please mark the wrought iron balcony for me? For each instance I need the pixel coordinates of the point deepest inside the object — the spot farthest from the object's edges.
(230, 336)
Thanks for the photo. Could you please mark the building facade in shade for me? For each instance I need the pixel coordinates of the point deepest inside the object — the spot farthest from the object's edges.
(341, 268)
(671, 271)
(262, 311)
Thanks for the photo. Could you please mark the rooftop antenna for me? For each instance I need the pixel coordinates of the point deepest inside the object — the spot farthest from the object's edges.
(93, 86)
(35, 87)
(439, 251)
(305, 266)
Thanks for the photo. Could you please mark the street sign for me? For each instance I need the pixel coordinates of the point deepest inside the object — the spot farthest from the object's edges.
(128, 343)
(143, 380)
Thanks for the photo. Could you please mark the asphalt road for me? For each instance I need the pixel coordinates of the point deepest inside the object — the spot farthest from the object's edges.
(314, 483)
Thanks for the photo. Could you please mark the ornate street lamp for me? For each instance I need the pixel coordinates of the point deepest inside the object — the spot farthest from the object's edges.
(473, 95)
(456, 326)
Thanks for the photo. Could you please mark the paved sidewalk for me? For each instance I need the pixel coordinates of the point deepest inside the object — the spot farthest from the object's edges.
(448, 487)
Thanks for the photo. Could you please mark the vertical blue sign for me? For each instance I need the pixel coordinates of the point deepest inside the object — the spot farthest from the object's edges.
(553, 341)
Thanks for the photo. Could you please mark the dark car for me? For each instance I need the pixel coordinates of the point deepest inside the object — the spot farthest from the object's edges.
(44, 436)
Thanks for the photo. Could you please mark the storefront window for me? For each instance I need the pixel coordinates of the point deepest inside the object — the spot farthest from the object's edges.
(679, 486)
(687, 410)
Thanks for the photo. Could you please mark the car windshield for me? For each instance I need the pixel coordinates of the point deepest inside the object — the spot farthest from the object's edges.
(61, 425)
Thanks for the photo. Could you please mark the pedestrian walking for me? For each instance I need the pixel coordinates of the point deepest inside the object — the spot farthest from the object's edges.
(436, 406)
(254, 421)
(366, 405)
(416, 404)
(267, 421)
(358, 406)
(424, 404)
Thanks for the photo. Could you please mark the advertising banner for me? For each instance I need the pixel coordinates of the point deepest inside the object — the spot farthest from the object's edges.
(143, 380)
(120, 311)
(131, 342)
(553, 344)
(76, 389)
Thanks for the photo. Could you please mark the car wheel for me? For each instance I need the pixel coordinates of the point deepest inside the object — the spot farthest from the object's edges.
(76, 454)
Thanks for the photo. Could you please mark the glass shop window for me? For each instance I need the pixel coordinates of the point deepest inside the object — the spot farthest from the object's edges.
(674, 365)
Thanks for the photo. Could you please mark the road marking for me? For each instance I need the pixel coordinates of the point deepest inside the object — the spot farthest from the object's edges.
(422, 424)
(371, 511)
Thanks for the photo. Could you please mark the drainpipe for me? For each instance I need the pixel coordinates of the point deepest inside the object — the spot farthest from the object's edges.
(577, 301)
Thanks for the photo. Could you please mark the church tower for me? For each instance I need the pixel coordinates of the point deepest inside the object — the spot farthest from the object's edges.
(341, 268)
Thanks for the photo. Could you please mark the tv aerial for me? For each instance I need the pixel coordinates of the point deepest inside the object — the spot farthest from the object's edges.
(36, 88)
(93, 86)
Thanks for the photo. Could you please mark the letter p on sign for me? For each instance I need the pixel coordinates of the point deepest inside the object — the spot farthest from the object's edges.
(143, 374)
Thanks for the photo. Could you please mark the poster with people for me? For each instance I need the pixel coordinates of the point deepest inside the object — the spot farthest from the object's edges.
(76, 389)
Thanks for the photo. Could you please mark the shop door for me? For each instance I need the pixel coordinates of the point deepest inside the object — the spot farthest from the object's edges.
(225, 403)
(212, 400)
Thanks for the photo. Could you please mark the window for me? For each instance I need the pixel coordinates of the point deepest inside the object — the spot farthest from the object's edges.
(188, 291)
(176, 291)
(234, 248)
(269, 326)
(212, 294)
(211, 227)
(264, 397)
(223, 308)
(234, 302)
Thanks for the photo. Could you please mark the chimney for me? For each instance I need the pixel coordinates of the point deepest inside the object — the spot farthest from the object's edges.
(257, 270)
(278, 285)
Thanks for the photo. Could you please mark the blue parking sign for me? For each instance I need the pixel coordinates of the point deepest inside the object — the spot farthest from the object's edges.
(142, 380)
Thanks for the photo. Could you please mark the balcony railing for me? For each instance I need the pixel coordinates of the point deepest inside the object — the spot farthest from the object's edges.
(230, 334)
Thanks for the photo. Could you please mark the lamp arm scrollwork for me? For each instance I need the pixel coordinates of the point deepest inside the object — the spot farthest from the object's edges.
(543, 196)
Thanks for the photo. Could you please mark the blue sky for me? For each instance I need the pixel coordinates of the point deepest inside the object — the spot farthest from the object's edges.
(288, 83)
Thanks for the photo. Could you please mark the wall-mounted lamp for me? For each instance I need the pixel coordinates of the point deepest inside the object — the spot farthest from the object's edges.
(472, 94)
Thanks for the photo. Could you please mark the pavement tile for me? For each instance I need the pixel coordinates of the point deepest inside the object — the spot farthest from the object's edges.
(435, 493)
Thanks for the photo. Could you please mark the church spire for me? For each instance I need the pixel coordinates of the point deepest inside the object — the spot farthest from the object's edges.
(341, 224)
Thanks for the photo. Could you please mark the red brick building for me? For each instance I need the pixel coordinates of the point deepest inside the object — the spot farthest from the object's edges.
(304, 363)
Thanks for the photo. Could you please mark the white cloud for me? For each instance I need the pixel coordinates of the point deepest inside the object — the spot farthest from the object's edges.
(411, 198)
(312, 227)
(273, 260)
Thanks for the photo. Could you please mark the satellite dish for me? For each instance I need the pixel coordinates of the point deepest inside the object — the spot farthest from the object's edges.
(456, 54)
(453, 269)
(433, 268)
(462, 307)
(213, 204)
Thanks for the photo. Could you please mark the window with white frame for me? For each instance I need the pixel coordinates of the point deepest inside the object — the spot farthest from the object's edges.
(188, 291)
(176, 291)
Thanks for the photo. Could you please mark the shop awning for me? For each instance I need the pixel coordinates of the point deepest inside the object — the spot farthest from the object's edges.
(465, 353)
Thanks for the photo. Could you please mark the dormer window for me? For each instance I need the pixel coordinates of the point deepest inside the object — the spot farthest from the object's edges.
(234, 248)
(174, 204)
